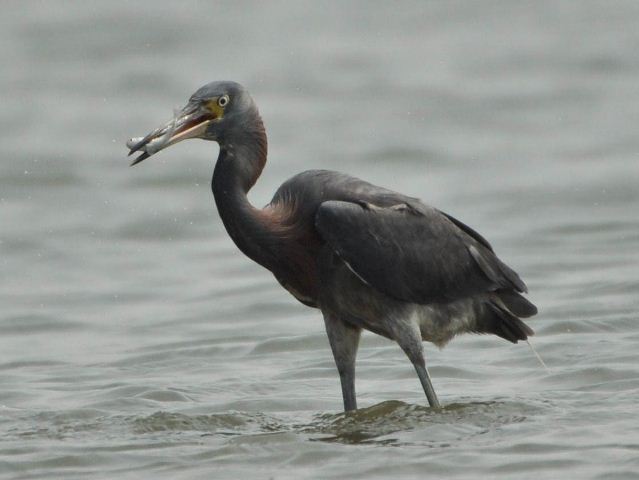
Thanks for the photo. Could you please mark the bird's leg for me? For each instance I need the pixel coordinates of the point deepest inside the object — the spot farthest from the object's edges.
(424, 378)
(409, 338)
(344, 340)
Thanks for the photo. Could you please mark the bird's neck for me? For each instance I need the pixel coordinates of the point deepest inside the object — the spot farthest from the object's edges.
(238, 167)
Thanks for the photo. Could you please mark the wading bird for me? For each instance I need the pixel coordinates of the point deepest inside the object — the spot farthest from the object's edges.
(367, 257)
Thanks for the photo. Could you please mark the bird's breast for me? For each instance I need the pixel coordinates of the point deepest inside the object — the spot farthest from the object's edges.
(295, 246)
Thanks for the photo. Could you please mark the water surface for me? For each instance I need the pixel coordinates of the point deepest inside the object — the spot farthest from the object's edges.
(137, 342)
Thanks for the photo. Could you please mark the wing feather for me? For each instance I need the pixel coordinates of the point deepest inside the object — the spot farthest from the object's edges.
(413, 252)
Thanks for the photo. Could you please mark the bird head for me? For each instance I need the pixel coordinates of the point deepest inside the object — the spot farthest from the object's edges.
(213, 112)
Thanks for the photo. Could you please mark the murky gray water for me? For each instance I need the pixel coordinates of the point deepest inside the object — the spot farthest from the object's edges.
(137, 342)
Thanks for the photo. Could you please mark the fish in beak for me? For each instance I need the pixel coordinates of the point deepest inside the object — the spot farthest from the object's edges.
(190, 122)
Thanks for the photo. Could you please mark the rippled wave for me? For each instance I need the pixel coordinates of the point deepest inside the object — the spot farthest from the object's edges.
(137, 342)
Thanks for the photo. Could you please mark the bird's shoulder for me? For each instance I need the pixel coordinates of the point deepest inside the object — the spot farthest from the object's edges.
(319, 188)
(314, 187)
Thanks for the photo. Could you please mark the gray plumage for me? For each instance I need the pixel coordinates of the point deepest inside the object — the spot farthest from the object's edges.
(367, 257)
(405, 255)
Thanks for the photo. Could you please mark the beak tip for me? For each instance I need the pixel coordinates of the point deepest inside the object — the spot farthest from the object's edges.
(135, 145)
(144, 156)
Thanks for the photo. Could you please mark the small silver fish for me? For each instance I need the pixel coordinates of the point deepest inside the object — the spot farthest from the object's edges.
(158, 143)
(161, 137)
(131, 142)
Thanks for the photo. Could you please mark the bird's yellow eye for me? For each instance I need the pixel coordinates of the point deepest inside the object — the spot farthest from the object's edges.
(223, 101)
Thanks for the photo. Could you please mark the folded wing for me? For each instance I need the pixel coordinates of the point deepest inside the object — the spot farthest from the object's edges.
(412, 252)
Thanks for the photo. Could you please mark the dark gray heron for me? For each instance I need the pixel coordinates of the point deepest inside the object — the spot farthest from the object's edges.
(367, 257)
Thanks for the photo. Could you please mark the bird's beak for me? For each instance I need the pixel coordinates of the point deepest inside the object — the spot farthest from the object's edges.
(190, 122)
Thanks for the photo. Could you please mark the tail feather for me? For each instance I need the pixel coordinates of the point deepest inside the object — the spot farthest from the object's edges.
(517, 304)
(503, 323)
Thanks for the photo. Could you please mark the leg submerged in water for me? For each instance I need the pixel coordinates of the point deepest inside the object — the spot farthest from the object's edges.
(344, 340)
(409, 338)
